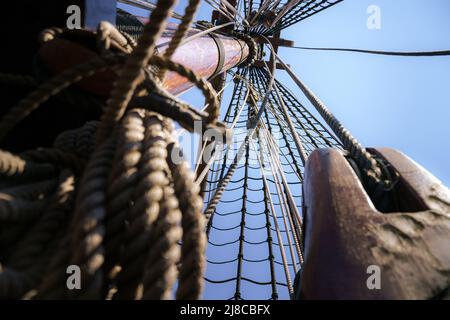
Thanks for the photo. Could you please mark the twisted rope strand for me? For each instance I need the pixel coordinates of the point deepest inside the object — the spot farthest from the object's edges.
(123, 181)
(164, 252)
(87, 241)
(152, 169)
(131, 74)
(194, 240)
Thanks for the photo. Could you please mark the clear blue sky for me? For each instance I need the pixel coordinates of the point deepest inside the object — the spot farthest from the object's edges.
(398, 102)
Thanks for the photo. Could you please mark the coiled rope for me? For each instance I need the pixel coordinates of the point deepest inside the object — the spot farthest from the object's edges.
(110, 197)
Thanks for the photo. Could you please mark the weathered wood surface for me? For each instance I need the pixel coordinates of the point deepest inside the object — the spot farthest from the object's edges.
(345, 234)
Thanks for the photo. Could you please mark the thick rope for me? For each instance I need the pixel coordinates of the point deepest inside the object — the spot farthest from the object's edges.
(131, 74)
(53, 87)
(87, 243)
(152, 174)
(181, 32)
(26, 265)
(164, 252)
(134, 203)
(123, 180)
(194, 240)
(363, 158)
(16, 166)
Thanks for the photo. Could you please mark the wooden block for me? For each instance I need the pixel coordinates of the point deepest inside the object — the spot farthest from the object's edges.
(345, 234)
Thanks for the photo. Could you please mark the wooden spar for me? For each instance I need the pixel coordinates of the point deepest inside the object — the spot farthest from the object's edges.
(349, 243)
(207, 56)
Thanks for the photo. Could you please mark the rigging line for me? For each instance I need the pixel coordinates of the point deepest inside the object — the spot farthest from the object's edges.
(261, 283)
(220, 9)
(219, 281)
(242, 5)
(221, 5)
(289, 195)
(295, 217)
(380, 52)
(222, 244)
(270, 245)
(221, 262)
(286, 212)
(248, 83)
(233, 9)
(262, 8)
(363, 158)
(255, 214)
(287, 141)
(297, 169)
(280, 122)
(209, 212)
(283, 208)
(280, 240)
(274, 5)
(218, 179)
(291, 200)
(240, 256)
(243, 278)
(309, 118)
(303, 128)
(215, 170)
(232, 181)
(236, 212)
(232, 200)
(228, 213)
(255, 228)
(199, 155)
(285, 9)
(214, 156)
(236, 97)
(225, 229)
(241, 108)
(257, 243)
(293, 207)
(181, 130)
(148, 6)
(236, 116)
(279, 263)
(207, 31)
(297, 141)
(236, 94)
(298, 13)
